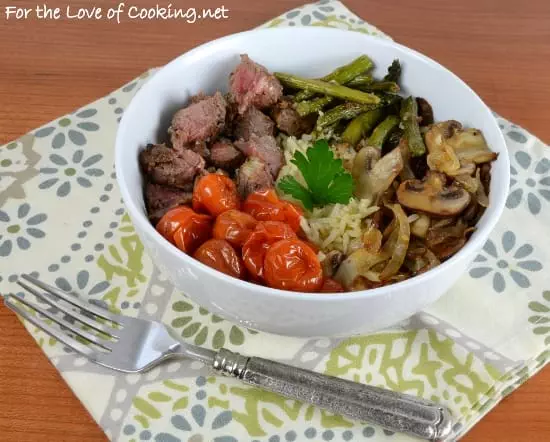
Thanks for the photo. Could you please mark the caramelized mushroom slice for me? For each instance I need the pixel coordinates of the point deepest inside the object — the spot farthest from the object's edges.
(469, 182)
(441, 155)
(470, 146)
(331, 263)
(466, 168)
(374, 175)
(432, 197)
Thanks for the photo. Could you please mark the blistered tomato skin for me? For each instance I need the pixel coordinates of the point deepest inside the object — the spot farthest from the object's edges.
(172, 220)
(215, 193)
(260, 240)
(293, 215)
(220, 255)
(185, 228)
(192, 233)
(290, 264)
(265, 205)
(234, 226)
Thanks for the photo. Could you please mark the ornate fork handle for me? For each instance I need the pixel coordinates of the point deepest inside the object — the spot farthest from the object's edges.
(394, 411)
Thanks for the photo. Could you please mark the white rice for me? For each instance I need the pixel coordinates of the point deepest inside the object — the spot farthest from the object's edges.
(338, 226)
(335, 226)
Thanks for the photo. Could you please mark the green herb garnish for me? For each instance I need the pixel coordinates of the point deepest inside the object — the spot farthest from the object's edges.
(327, 180)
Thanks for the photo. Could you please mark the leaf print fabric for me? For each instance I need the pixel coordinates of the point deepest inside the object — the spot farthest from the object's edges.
(20, 229)
(510, 260)
(64, 172)
(535, 177)
(66, 167)
(72, 127)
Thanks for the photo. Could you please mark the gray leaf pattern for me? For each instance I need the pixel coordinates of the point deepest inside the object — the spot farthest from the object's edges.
(506, 260)
(529, 181)
(71, 127)
(77, 138)
(15, 230)
(72, 169)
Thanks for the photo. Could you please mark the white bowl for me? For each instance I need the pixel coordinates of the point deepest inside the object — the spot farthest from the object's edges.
(310, 52)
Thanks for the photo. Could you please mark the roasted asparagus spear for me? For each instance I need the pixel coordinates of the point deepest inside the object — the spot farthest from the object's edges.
(409, 117)
(341, 75)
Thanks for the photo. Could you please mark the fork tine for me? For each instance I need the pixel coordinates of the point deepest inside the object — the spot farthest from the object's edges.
(84, 319)
(62, 322)
(52, 331)
(102, 313)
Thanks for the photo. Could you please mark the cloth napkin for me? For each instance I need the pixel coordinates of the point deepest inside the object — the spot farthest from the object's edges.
(485, 337)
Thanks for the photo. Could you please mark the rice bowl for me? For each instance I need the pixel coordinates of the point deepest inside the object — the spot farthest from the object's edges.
(272, 310)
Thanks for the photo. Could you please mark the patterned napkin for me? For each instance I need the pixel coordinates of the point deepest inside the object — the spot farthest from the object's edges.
(476, 345)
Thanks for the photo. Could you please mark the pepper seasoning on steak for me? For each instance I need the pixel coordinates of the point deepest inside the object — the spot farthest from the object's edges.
(160, 199)
(289, 121)
(225, 155)
(253, 121)
(202, 120)
(170, 167)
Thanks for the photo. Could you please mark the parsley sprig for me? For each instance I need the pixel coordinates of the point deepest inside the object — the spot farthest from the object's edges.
(327, 180)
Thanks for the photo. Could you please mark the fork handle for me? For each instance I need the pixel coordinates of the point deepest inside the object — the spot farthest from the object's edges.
(394, 411)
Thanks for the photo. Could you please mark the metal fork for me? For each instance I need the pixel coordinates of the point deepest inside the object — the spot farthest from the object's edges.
(133, 345)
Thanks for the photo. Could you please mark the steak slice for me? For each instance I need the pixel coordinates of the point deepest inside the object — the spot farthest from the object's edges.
(225, 155)
(200, 147)
(252, 85)
(202, 120)
(167, 166)
(290, 122)
(160, 199)
(253, 175)
(253, 121)
(265, 148)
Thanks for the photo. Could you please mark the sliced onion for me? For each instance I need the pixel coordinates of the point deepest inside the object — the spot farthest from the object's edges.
(398, 243)
(481, 196)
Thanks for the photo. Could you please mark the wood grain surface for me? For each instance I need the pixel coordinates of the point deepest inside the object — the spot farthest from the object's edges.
(501, 48)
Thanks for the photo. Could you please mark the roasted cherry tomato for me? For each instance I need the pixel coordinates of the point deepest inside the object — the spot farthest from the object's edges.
(264, 235)
(185, 228)
(290, 264)
(265, 205)
(313, 246)
(220, 255)
(175, 218)
(234, 226)
(331, 286)
(292, 214)
(215, 194)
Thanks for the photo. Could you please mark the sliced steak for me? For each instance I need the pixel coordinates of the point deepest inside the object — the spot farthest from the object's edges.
(289, 121)
(253, 121)
(225, 155)
(200, 121)
(231, 114)
(160, 199)
(253, 175)
(167, 166)
(199, 97)
(200, 147)
(265, 148)
(252, 85)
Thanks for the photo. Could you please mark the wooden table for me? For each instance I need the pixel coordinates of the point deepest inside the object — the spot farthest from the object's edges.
(48, 68)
